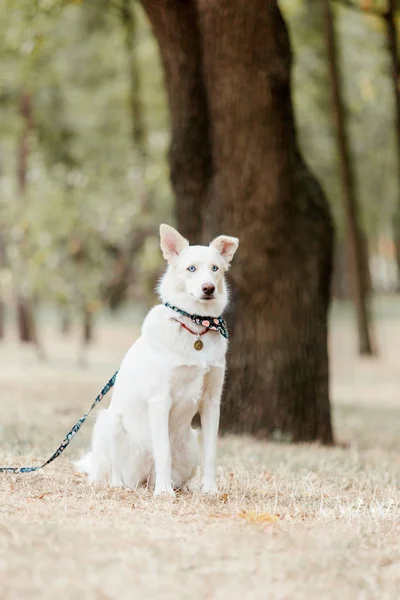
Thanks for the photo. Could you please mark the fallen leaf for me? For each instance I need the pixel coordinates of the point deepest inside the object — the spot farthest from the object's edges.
(224, 498)
(40, 496)
(252, 516)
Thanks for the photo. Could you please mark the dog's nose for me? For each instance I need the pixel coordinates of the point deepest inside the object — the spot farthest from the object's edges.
(208, 289)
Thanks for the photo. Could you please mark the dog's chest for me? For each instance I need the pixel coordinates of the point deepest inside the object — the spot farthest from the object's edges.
(187, 385)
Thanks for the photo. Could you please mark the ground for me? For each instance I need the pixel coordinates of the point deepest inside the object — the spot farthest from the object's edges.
(290, 522)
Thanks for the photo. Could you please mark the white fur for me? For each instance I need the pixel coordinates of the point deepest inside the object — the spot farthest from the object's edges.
(145, 436)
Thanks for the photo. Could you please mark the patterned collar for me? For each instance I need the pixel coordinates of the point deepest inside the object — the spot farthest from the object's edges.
(212, 323)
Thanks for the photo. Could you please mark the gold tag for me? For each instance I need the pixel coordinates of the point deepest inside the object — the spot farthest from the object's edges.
(198, 345)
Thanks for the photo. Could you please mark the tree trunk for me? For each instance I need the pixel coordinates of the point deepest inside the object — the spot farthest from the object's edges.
(87, 333)
(2, 318)
(278, 367)
(175, 27)
(393, 45)
(260, 190)
(2, 259)
(366, 273)
(65, 322)
(26, 324)
(340, 287)
(135, 101)
(25, 313)
(353, 231)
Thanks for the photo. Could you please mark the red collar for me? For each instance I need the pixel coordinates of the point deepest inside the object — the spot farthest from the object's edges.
(188, 329)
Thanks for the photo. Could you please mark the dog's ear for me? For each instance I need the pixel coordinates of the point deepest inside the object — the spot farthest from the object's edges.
(226, 246)
(172, 242)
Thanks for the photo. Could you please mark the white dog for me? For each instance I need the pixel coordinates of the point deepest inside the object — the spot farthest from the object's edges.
(174, 370)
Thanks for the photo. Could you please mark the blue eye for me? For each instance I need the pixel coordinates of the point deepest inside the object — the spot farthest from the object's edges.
(214, 268)
(192, 269)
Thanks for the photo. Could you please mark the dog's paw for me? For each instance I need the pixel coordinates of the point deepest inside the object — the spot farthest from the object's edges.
(192, 486)
(164, 489)
(116, 484)
(164, 494)
(209, 488)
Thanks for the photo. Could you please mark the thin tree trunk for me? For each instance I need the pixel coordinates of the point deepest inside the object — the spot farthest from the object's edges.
(367, 280)
(229, 63)
(2, 259)
(87, 336)
(87, 332)
(2, 318)
(353, 232)
(25, 321)
(65, 322)
(393, 45)
(135, 101)
(340, 285)
(25, 313)
(175, 27)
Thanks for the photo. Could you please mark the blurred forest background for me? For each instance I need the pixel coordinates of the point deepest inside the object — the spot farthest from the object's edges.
(84, 135)
(100, 141)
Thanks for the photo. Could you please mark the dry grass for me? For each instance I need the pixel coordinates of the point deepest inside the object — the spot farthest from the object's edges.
(290, 522)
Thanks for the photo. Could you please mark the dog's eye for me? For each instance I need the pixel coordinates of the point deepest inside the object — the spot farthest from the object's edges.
(191, 269)
(214, 268)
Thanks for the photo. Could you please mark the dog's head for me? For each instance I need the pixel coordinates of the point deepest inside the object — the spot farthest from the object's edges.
(194, 280)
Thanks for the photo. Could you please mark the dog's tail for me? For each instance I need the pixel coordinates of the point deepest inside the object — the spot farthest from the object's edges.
(84, 463)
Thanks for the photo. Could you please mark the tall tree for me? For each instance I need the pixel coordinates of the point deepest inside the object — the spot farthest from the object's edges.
(236, 168)
(24, 304)
(129, 23)
(393, 46)
(353, 231)
(2, 259)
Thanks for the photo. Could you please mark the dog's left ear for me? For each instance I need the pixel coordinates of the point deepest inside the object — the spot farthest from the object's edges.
(226, 246)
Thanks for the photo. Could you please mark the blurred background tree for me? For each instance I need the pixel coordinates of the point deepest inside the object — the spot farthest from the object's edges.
(84, 172)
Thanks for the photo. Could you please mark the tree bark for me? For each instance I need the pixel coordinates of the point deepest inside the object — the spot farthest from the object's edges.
(353, 230)
(261, 191)
(393, 46)
(175, 27)
(278, 362)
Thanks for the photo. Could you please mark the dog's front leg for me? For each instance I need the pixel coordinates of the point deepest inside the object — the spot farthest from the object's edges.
(209, 414)
(159, 409)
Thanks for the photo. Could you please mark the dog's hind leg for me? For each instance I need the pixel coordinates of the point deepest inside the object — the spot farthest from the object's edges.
(130, 465)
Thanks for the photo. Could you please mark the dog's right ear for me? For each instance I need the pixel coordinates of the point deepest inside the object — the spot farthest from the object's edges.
(172, 242)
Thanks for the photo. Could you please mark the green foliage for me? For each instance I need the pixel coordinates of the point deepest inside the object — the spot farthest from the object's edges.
(368, 92)
(88, 190)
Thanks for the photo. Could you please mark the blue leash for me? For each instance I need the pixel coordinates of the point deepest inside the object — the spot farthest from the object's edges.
(68, 438)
